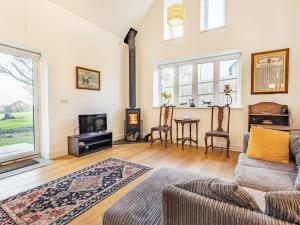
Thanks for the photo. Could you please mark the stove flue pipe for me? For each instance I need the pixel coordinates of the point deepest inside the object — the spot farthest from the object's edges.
(130, 40)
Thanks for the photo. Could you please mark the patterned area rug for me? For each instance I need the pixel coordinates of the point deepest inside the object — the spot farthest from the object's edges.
(61, 200)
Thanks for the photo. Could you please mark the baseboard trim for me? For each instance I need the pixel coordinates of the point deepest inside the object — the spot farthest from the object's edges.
(236, 148)
(58, 153)
(233, 147)
(118, 137)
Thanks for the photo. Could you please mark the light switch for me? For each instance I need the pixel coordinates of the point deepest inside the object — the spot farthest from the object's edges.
(64, 100)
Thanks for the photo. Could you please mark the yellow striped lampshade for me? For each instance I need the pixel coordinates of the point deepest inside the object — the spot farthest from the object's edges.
(176, 15)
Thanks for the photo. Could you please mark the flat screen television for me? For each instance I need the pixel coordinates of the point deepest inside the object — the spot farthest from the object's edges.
(92, 123)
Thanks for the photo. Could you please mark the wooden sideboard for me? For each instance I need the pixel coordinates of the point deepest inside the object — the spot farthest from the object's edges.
(270, 115)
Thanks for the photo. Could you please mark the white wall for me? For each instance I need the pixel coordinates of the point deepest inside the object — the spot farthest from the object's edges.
(69, 41)
(252, 26)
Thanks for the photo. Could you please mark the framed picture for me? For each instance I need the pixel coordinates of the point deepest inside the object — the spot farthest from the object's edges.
(270, 72)
(87, 79)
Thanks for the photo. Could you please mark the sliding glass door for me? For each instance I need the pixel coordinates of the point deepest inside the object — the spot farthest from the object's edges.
(19, 117)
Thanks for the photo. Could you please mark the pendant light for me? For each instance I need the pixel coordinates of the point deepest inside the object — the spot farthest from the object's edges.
(176, 15)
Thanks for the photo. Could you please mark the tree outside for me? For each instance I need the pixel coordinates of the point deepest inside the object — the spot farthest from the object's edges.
(16, 101)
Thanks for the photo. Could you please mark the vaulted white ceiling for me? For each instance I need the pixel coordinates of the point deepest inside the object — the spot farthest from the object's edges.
(115, 16)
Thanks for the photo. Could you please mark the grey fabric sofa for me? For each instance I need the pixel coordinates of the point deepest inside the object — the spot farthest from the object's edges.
(269, 176)
(158, 201)
(143, 204)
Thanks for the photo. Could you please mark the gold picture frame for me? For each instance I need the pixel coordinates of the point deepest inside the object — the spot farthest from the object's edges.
(270, 70)
(87, 79)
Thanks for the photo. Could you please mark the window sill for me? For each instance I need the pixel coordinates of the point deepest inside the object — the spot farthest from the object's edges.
(212, 29)
(172, 39)
(200, 107)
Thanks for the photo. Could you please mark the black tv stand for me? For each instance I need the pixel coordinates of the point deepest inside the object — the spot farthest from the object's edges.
(83, 144)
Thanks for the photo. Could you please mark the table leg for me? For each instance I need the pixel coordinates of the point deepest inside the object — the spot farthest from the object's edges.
(190, 134)
(160, 137)
(177, 134)
(182, 133)
(197, 135)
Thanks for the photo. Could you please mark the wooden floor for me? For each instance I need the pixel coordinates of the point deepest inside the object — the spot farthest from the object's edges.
(215, 163)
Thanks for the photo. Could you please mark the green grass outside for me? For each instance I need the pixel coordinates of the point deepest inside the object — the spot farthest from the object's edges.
(23, 120)
(17, 138)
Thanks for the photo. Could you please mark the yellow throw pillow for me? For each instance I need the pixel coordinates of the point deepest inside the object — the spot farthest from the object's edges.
(269, 145)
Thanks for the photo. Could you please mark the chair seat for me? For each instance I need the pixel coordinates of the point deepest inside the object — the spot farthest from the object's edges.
(217, 133)
(161, 128)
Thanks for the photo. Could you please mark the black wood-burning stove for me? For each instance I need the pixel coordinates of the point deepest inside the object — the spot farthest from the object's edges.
(133, 122)
(133, 125)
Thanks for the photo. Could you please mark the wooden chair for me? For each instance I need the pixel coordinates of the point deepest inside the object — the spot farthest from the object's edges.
(219, 132)
(165, 124)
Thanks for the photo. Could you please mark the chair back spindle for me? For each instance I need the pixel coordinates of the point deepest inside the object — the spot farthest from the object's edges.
(166, 115)
(220, 111)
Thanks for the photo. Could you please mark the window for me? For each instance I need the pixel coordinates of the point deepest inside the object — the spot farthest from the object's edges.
(171, 32)
(205, 83)
(167, 82)
(201, 79)
(229, 75)
(185, 83)
(212, 14)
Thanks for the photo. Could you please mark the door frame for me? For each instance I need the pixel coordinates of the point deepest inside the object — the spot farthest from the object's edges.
(36, 102)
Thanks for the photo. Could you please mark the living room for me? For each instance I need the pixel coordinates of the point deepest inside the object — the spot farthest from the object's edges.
(150, 73)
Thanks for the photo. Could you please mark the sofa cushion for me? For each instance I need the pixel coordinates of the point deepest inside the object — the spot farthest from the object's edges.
(221, 190)
(246, 161)
(295, 148)
(265, 179)
(269, 145)
(259, 197)
(292, 146)
(284, 205)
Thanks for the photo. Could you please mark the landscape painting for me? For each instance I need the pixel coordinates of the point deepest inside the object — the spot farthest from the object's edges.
(87, 79)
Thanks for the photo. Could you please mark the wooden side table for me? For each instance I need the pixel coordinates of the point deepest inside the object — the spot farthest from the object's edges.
(184, 139)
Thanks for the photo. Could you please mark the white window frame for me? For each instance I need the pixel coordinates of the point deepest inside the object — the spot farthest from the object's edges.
(168, 35)
(204, 16)
(216, 58)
